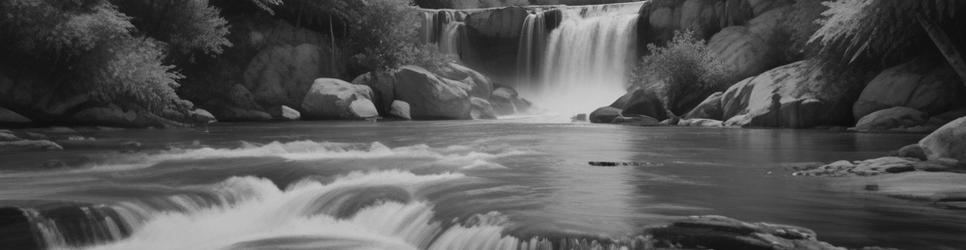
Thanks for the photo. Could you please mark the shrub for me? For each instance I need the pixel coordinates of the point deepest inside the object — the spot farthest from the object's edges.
(60, 28)
(795, 30)
(130, 71)
(682, 72)
(185, 25)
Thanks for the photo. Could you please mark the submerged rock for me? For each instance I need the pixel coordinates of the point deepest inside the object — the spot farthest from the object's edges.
(719, 232)
(432, 97)
(201, 116)
(641, 102)
(892, 119)
(710, 123)
(884, 165)
(336, 99)
(949, 141)
(640, 120)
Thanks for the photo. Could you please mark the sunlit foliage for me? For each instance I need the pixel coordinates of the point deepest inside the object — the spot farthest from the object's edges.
(681, 71)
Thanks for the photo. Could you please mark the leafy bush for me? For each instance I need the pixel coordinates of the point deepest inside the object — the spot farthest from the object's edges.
(60, 28)
(797, 28)
(683, 72)
(185, 25)
(131, 71)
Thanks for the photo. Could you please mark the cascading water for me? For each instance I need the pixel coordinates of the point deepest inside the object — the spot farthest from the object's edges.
(532, 39)
(445, 28)
(585, 61)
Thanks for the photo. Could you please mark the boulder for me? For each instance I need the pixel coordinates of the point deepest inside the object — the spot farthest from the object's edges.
(698, 122)
(285, 113)
(797, 95)
(282, 74)
(481, 109)
(718, 232)
(912, 151)
(896, 118)
(430, 96)
(201, 116)
(604, 115)
(382, 86)
(9, 117)
(710, 108)
(110, 115)
(741, 52)
(231, 113)
(924, 85)
(642, 102)
(640, 120)
(502, 99)
(949, 141)
(400, 109)
(498, 23)
(331, 98)
(481, 86)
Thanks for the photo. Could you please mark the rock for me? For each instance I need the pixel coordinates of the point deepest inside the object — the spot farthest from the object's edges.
(718, 232)
(895, 118)
(430, 96)
(710, 108)
(481, 109)
(112, 115)
(640, 120)
(741, 52)
(698, 122)
(498, 23)
(8, 117)
(290, 113)
(502, 99)
(912, 151)
(28, 145)
(642, 102)
(927, 86)
(331, 98)
(884, 165)
(283, 74)
(201, 116)
(797, 95)
(382, 86)
(582, 117)
(604, 115)
(481, 86)
(230, 113)
(400, 109)
(949, 141)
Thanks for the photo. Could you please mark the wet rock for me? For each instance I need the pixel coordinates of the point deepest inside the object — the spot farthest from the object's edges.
(201, 116)
(718, 232)
(16, 228)
(290, 113)
(481, 86)
(710, 108)
(892, 119)
(228, 112)
(949, 141)
(432, 97)
(912, 151)
(8, 117)
(506, 101)
(929, 86)
(640, 120)
(481, 109)
(498, 23)
(331, 98)
(28, 145)
(741, 52)
(113, 115)
(400, 109)
(383, 88)
(797, 95)
(642, 102)
(604, 115)
(709, 123)
(884, 165)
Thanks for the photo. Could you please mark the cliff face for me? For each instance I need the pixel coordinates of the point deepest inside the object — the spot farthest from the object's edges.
(471, 4)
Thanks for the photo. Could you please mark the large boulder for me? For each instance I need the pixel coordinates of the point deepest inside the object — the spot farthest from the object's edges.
(383, 88)
(431, 96)
(710, 108)
(282, 74)
(400, 109)
(798, 95)
(718, 232)
(892, 119)
(331, 98)
(481, 86)
(641, 102)
(605, 115)
(949, 141)
(482, 109)
(8, 117)
(498, 23)
(741, 52)
(927, 86)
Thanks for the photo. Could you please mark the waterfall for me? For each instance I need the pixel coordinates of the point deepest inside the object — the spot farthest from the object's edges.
(585, 60)
(532, 38)
(445, 28)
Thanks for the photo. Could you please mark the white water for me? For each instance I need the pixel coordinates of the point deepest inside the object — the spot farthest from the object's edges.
(532, 39)
(445, 28)
(587, 58)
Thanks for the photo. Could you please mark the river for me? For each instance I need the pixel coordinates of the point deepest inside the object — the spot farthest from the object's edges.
(450, 185)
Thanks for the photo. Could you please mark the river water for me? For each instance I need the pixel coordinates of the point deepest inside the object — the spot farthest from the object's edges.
(450, 185)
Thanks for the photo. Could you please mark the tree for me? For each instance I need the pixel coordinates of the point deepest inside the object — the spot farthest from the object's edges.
(185, 25)
(889, 29)
(683, 72)
(131, 71)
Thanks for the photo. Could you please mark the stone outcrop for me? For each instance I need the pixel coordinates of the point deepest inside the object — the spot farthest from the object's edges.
(947, 142)
(431, 96)
(641, 102)
(605, 115)
(482, 109)
(797, 95)
(8, 117)
(893, 119)
(480, 85)
(383, 88)
(719, 232)
(330, 98)
(741, 52)
(498, 23)
(710, 108)
(927, 86)
(400, 109)
(281, 75)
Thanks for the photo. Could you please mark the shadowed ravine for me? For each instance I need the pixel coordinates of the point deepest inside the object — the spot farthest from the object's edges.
(500, 185)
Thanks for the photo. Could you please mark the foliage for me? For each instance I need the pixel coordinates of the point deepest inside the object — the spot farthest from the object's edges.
(427, 56)
(884, 29)
(185, 25)
(681, 71)
(131, 70)
(795, 30)
(61, 27)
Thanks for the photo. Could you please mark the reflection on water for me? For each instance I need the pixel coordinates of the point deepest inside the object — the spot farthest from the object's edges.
(451, 185)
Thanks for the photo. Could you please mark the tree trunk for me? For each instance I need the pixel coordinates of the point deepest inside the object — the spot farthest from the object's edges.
(946, 46)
